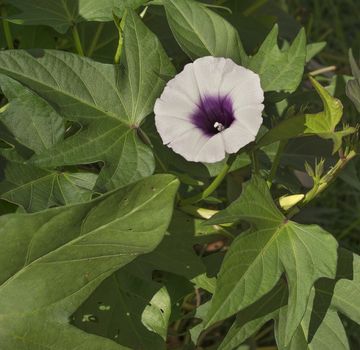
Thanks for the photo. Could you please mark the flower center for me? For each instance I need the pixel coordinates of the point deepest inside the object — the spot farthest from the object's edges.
(214, 114)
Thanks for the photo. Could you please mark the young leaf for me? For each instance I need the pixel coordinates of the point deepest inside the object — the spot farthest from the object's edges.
(201, 32)
(322, 124)
(37, 189)
(109, 101)
(279, 70)
(256, 260)
(50, 262)
(353, 85)
(65, 13)
(31, 120)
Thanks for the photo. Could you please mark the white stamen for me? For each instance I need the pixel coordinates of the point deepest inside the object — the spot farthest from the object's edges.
(219, 126)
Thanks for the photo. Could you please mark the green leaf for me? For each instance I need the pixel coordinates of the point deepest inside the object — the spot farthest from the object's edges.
(353, 86)
(176, 253)
(322, 124)
(330, 333)
(50, 262)
(157, 314)
(313, 49)
(321, 327)
(37, 189)
(31, 120)
(252, 318)
(65, 13)
(201, 32)
(257, 259)
(109, 112)
(279, 70)
(115, 310)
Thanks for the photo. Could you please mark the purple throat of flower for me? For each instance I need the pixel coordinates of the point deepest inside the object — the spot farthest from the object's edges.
(213, 114)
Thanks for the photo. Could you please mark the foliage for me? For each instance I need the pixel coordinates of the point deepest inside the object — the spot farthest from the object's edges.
(110, 240)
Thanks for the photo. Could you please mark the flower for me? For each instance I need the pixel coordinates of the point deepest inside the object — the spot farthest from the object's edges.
(211, 108)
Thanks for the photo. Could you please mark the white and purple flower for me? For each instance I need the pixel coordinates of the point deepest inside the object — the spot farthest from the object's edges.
(213, 107)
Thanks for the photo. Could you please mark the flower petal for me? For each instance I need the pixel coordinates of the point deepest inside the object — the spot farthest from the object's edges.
(196, 147)
(236, 137)
(250, 117)
(170, 127)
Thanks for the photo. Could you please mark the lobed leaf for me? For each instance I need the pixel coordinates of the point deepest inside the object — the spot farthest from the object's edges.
(109, 101)
(279, 70)
(322, 124)
(273, 247)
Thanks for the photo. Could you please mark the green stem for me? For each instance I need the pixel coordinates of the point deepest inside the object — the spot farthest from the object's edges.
(276, 162)
(328, 178)
(213, 186)
(120, 27)
(255, 162)
(77, 40)
(7, 30)
(96, 39)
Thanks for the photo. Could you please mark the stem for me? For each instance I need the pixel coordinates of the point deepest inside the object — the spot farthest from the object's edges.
(276, 162)
(327, 179)
(323, 70)
(77, 40)
(255, 162)
(120, 27)
(213, 186)
(7, 30)
(96, 39)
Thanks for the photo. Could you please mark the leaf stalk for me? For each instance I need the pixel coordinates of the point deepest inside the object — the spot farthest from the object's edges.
(213, 186)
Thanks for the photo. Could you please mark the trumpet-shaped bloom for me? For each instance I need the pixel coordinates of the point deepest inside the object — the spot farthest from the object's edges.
(213, 107)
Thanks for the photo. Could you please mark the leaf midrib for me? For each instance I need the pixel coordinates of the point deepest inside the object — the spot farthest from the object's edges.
(80, 237)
